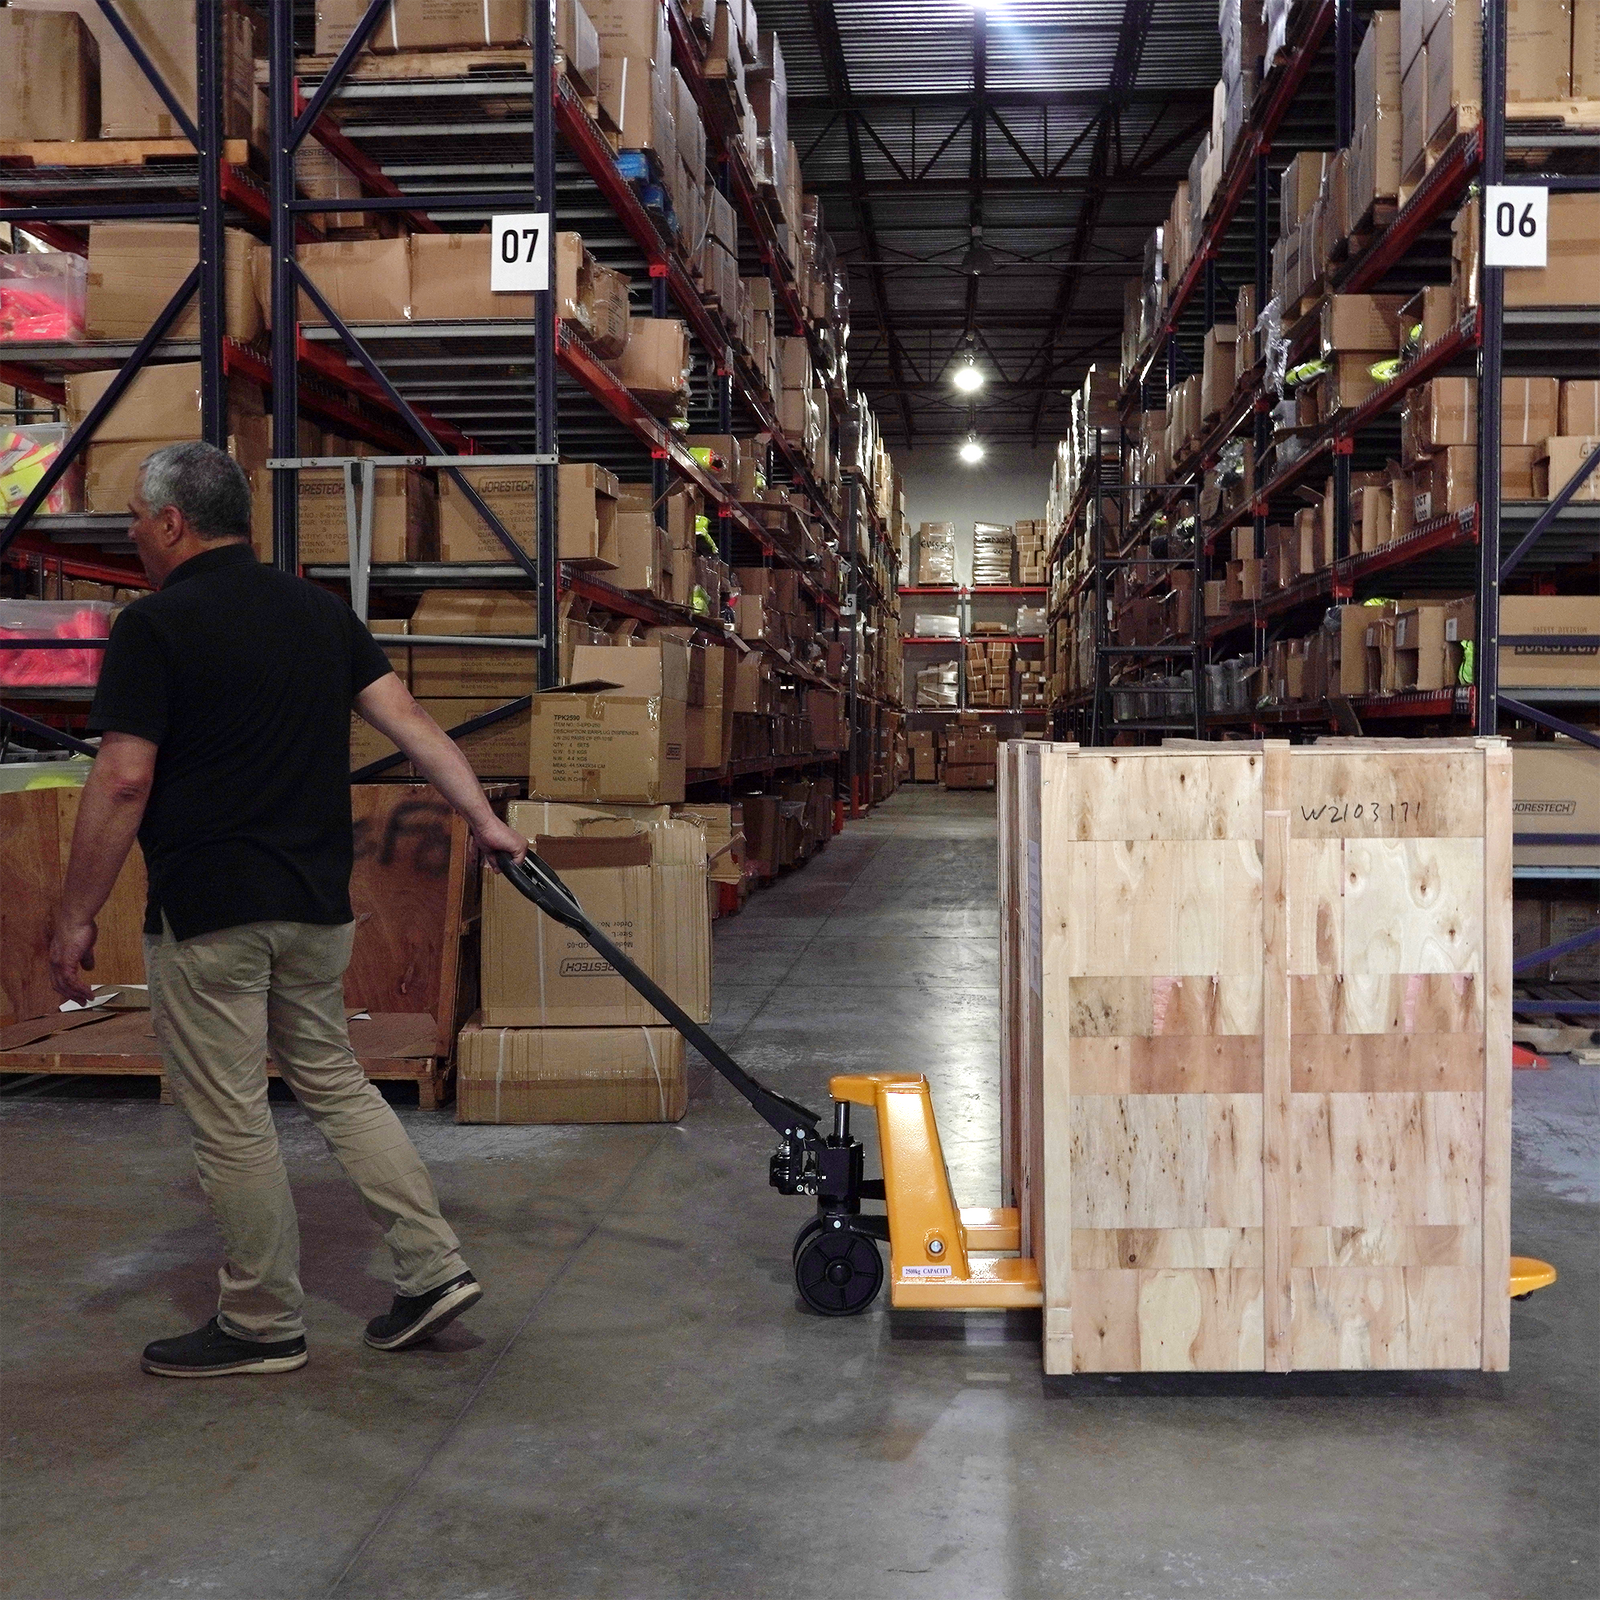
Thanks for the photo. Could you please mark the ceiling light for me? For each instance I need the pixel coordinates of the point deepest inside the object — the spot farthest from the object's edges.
(979, 258)
(971, 451)
(967, 377)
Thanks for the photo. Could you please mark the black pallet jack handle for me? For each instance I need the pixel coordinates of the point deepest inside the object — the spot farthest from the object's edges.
(535, 881)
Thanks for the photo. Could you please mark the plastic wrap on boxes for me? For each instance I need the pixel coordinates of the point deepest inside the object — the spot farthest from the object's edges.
(936, 687)
(22, 668)
(937, 627)
(42, 296)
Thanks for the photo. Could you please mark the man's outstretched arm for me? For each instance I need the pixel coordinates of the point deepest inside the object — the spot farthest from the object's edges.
(109, 814)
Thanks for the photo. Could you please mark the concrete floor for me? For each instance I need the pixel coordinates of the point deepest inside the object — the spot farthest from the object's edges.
(637, 1411)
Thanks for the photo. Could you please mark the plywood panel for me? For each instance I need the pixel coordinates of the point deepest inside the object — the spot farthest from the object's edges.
(1376, 1317)
(1060, 909)
(1159, 907)
(1350, 795)
(1375, 1160)
(119, 945)
(1163, 795)
(1166, 1161)
(1410, 1002)
(1413, 905)
(1364, 1063)
(1496, 1346)
(1316, 905)
(1128, 1249)
(1394, 1246)
(1183, 1006)
(1277, 887)
(1172, 1065)
(1169, 1320)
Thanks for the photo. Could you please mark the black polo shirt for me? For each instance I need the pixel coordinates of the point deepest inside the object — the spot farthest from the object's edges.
(243, 678)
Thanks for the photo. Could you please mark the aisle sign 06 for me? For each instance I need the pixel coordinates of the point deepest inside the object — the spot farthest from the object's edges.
(1516, 226)
(519, 253)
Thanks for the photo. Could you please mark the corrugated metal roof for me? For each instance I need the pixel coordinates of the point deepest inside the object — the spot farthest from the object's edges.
(1065, 204)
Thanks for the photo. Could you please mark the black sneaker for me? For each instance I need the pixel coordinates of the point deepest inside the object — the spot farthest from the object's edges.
(415, 1317)
(209, 1352)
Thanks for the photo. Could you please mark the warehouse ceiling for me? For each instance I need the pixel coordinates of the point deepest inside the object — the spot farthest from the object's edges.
(1059, 128)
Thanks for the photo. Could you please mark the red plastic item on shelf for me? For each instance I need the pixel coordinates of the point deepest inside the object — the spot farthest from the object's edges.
(22, 668)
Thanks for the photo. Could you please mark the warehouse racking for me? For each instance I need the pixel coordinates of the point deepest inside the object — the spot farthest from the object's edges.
(1116, 554)
(1305, 103)
(443, 143)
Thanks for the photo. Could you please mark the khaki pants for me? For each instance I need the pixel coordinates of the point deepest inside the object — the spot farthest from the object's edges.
(219, 1002)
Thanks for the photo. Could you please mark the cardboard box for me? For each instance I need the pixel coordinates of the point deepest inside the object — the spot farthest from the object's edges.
(968, 776)
(1362, 323)
(404, 517)
(1516, 471)
(1558, 461)
(1529, 409)
(579, 45)
(1569, 277)
(162, 402)
(564, 1075)
(1421, 660)
(130, 108)
(1579, 407)
(1586, 50)
(1414, 115)
(643, 555)
(426, 24)
(1556, 666)
(656, 363)
(510, 492)
(1371, 518)
(49, 77)
(642, 882)
(587, 515)
(363, 280)
(626, 744)
(456, 672)
(450, 281)
(1555, 796)
(1539, 50)
(499, 751)
(136, 267)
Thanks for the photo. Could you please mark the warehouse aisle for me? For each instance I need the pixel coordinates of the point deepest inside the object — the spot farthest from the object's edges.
(638, 1412)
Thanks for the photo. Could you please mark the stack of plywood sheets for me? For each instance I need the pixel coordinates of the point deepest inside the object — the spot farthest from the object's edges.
(1257, 1086)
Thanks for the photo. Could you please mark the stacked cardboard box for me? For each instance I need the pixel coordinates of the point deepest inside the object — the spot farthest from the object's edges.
(993, 553)
(970, 754)
(989, 672)
(561, 1037)
(923, 744)
(1031, 546)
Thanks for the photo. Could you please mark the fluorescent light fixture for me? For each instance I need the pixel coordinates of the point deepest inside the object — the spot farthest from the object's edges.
(971, 451)
(967, 377)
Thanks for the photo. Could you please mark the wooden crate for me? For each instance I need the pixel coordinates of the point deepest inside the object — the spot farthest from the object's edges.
(413, 968)
(1256, 1025)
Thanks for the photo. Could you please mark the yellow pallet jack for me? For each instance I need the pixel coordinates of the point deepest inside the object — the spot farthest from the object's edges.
(941, 1257)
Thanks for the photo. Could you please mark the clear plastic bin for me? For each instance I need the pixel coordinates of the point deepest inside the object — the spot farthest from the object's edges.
(22, 668)
(42, 296)
(25, 453)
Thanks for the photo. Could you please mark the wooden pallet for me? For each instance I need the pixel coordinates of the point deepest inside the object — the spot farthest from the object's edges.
(392, 1046)
(1551, 116)
(373, 67)
(110, 152)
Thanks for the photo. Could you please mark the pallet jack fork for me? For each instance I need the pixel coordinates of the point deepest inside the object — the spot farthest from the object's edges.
(940, 1256)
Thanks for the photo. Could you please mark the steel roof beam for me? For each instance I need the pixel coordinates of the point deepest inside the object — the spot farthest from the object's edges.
(963, 100)
(825, 23)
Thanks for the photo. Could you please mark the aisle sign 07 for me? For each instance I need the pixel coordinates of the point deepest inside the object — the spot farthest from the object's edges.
(519, 253)
(1516, 226)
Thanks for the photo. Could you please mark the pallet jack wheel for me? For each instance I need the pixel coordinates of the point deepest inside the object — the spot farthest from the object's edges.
(809, 1229)
(838, 1272)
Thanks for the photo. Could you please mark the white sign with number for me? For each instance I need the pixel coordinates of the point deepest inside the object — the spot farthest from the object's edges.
(519, 253)
(1516, 226)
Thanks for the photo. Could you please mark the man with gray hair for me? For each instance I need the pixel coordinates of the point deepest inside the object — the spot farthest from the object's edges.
(225, 701)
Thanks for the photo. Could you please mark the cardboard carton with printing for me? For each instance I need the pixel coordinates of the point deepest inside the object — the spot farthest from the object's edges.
(641, 882)
(625, 744)
(136, 267)
(460, 671)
